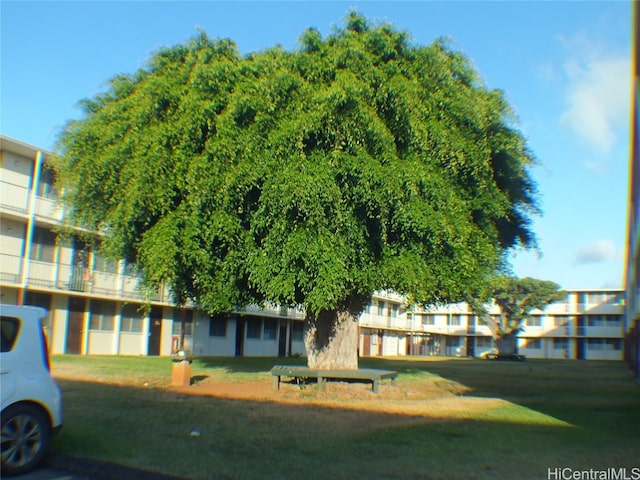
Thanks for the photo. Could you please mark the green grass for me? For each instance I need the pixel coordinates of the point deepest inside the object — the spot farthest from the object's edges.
(446, 419)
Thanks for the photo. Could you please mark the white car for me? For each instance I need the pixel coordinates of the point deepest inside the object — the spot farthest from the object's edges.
(31, 400)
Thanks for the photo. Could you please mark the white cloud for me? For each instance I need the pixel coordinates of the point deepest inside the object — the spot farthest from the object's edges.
(603, 250)
(598, 94)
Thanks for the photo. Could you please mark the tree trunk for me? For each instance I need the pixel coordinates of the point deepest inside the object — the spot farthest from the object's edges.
(507, 345)
(331, 339)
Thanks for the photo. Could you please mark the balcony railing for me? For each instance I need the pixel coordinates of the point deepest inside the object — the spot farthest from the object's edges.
(57, 276)
(48, 208)
(399, 322)
(14, 197)
(272, 310)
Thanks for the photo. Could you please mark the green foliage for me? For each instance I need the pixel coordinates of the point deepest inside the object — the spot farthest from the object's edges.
(516, 298)
(359, 162)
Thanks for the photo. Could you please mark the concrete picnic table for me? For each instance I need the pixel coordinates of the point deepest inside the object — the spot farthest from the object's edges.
(375, 376)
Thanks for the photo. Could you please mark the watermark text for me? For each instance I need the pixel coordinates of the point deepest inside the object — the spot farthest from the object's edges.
(613, 473)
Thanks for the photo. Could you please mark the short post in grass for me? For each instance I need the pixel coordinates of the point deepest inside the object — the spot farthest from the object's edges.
(181, 369)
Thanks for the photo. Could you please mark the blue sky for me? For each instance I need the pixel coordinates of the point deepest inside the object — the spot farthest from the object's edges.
(564, 66)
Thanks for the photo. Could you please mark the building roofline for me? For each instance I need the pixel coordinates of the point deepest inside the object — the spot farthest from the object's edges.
(16, 146)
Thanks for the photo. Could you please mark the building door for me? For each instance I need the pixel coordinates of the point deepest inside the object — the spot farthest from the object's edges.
(366, 344)
(580, 349)
(580, 353)
(76, 308)
(155, 331)
(471, 344)
(282, 341)
(239, 337)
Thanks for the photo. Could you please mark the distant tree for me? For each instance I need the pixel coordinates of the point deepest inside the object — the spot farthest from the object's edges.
(356, 163)
(516, 299)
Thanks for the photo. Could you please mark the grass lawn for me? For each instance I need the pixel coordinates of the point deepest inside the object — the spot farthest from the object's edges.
(445, 419)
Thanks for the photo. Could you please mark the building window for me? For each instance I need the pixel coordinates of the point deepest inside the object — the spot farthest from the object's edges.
(38, 299)
(616, 298)
(381, 306)
(534, 321)
(484, 342)
(104, 264)
(613, 320)
(43, 245)
(428, 320)
(613, 344)
(595, 321)
(297, 331)
(452, 341)
(455, 320)
(131, 319)
(46, 184)
(595, 344)
(560, 344)
(596, 298)
(254, 327)
(270, 327)
(102, 315)
(533, 344)
(177, 322)
(218, 326)
(560, 320)
(131, 269)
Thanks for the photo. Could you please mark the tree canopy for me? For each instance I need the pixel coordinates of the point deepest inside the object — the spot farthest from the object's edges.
(357, 162)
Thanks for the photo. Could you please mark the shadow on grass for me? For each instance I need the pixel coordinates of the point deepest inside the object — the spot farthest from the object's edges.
(204, 437)
(587, 394)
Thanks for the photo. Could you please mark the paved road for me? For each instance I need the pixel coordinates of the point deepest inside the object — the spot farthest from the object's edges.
(57, 466)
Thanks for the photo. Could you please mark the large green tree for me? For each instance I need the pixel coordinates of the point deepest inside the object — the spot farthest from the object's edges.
(515, 299)
(358, 162)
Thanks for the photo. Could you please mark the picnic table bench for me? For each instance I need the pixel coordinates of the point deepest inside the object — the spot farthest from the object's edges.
(373, 375)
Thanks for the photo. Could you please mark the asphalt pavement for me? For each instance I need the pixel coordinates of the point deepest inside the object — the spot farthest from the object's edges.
(45, 473)
(57, 466)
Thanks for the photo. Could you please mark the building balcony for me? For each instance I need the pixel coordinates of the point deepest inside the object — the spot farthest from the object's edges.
(453, 330)
(607, 331)
(605, 308)
(14, 199)
(48, 209)
(51, 276)
(386, 322)
(270, 310)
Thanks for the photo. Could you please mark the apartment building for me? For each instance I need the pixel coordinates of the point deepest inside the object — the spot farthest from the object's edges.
(97, 306)
(588, 325)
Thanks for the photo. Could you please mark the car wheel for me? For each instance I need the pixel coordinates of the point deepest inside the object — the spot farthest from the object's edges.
(25, 436)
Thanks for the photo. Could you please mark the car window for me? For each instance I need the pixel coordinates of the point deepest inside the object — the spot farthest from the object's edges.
(9, 332)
